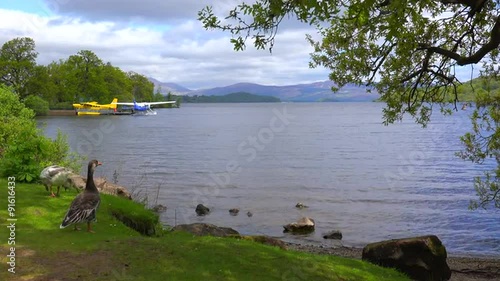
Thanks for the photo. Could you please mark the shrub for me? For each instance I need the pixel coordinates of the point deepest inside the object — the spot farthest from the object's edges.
(13, 117)
(37, 104)
(24, 150)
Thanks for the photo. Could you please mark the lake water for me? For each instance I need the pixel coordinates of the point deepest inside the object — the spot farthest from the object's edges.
(370, 181)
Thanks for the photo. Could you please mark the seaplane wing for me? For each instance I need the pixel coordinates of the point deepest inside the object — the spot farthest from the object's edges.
(143, 107)
(144, 103)
(157, 102)
(89, 103)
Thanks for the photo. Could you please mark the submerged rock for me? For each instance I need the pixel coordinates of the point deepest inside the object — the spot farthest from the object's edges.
(202, 210)
(334, 234)
(421, 258)
(201, 229)
(159, 208)
(301, 206)
(302, 226)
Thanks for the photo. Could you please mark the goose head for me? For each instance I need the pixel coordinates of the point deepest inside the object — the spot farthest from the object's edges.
(94, 163)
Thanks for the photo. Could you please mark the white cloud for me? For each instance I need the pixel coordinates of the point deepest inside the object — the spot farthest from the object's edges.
(182, 53)
(157, 11)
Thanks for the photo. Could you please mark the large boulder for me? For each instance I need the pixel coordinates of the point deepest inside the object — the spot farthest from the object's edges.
(103, 185)
(202, 229)
(302, 226)
(421, 258)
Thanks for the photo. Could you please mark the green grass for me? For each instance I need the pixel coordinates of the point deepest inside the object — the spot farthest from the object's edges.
(133, 215)
(116, 252)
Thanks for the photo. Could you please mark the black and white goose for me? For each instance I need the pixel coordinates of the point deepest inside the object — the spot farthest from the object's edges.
(84, 206)
(56, 176)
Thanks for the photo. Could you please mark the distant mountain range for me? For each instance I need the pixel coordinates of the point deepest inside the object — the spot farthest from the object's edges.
(169, 87)
(318, 91)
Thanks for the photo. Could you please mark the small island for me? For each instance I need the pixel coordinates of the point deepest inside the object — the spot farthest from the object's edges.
(238, 97)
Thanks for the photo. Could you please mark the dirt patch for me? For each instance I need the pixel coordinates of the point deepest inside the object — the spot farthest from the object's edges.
(462, 268)
(67, 266)
(70, 266)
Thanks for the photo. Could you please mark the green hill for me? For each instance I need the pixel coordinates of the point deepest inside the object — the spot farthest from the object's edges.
(239, 97)
(468, 91)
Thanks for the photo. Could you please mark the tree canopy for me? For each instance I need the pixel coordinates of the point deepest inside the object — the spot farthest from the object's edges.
(409, 51)
(17, 63)
(80, 77)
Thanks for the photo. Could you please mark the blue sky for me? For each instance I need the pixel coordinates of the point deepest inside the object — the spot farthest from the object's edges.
(37, 7)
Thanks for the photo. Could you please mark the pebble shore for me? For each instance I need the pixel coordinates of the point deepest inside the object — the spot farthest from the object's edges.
(462, 268)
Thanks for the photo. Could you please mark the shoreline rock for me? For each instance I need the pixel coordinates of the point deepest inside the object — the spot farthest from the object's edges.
(202, 229)
(103, 185)
(304, 225)
(264, 239)
(421, 258)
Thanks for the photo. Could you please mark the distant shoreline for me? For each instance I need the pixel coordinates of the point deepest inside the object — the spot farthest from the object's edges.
(61, 112)
(238, 97)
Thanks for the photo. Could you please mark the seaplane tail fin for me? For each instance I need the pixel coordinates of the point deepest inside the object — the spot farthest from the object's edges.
(113, 103)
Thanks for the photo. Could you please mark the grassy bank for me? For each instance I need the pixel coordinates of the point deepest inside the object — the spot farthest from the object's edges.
(116, 252)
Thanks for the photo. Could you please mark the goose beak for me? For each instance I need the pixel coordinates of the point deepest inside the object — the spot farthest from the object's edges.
(99, 163)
